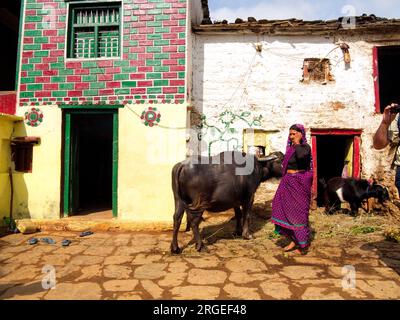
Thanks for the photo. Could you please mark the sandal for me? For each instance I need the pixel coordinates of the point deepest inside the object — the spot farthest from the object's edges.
(65, 243)
(33, 241)
(48, 240)
(85, 233)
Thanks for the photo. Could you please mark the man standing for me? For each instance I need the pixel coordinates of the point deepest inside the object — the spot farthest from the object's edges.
(388, 133)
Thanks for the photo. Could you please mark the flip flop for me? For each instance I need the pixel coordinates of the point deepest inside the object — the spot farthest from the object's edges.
(85, 233)
(33, 241)
(48, 240)
(65, 242)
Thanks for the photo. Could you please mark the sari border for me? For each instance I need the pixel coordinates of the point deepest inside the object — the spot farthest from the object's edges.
(288, 225)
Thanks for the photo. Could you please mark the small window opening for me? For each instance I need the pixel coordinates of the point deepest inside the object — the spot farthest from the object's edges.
(22, 151)
(256, 141)
(316, 70)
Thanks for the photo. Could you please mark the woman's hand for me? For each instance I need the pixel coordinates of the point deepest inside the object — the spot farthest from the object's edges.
(297, 138)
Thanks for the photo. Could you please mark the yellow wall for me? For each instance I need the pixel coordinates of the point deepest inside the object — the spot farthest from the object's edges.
(37, 194)
(7, 124)
(146, 158)
(6, 129)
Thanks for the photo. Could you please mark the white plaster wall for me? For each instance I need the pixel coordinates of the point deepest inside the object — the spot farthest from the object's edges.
(228, 74)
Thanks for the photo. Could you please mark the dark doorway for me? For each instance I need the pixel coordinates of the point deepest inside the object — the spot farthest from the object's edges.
(388, 74)
(334, 159)
(9, 28)
(91, 162)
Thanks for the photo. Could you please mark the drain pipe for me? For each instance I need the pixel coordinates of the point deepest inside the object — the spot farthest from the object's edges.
(11, 226)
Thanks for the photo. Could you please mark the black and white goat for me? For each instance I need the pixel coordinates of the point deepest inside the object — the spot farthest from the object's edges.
(351, 190)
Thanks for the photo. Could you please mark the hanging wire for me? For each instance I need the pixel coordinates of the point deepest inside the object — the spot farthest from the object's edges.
(245, 78)
(248, 72)
(159, 125)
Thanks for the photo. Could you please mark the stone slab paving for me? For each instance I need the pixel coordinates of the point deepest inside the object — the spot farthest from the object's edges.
(138, 265)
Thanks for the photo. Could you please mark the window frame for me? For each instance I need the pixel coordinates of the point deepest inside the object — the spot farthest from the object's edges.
(70, 36)
(377, 56)
(22, 153)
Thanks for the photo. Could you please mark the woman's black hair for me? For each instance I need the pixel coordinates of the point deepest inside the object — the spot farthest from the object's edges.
(294, 127)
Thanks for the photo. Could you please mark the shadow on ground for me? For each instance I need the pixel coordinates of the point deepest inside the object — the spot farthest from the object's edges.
(19, 289)
(389, 253)
(218, 226)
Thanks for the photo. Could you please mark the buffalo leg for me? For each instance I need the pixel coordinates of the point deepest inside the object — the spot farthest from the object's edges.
(179, 210)
(195, 219)
(246, 218)
(238, 218)
(187, 223)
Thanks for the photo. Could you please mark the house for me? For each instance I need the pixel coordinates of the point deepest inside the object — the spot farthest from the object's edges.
(253, 79)
(102, 87)
(9, 27)
(108, 90)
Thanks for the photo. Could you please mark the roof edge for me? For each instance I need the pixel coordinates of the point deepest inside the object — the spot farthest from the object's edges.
(363, 24)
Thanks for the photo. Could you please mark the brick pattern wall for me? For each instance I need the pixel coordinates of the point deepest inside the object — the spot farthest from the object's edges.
(7, 102)
(152, 68)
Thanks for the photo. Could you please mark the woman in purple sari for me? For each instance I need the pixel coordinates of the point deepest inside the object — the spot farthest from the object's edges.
(291, 204)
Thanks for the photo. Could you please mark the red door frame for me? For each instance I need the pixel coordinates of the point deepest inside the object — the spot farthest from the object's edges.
(356, 154)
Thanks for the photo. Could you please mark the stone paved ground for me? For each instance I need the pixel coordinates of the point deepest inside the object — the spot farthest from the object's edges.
(138, 265)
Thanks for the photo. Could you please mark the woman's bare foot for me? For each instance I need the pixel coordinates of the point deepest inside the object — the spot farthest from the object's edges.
(290, 247)
(301, 251)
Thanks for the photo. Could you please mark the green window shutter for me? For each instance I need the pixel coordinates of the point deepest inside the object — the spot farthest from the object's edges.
(108, 43)
(84, 46)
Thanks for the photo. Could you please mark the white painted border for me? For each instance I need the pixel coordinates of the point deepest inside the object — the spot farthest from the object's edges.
(21, 51)
(187, 42)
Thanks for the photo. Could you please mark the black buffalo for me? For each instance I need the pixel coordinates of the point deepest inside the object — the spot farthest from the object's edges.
(351, 190)
(227, 180)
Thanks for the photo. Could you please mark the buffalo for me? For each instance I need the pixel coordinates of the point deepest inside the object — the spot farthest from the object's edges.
(219, 183)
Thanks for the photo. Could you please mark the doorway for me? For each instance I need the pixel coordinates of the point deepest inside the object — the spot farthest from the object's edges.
(9, 30)
(336, 153)
(386, 71)
(89, 166)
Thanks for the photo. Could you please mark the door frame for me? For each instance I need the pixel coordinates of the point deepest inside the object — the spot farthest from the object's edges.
(66, 156)
(375, 77)
(356, 133)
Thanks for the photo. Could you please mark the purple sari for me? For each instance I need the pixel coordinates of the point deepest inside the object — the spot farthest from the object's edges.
(291, 204)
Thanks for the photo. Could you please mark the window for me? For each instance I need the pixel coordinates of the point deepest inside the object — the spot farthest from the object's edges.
(21, 152)
(94, 30)
(317, 70)
(257, 141)
(22, 157)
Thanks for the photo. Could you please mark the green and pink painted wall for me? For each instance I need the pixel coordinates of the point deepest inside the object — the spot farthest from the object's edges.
(150, 68)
